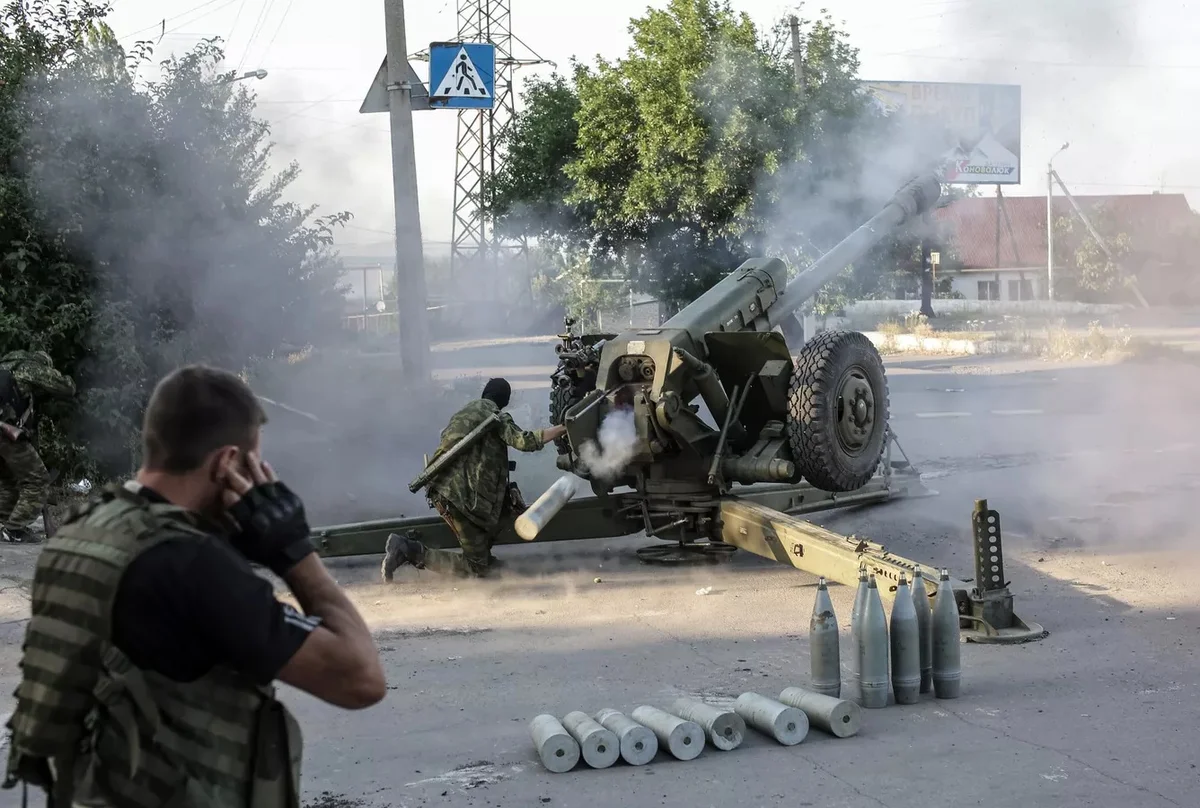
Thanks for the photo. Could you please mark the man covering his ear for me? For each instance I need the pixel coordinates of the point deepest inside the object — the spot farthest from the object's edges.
(473, 493)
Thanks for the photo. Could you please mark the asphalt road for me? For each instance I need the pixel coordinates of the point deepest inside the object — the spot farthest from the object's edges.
(1093, 473)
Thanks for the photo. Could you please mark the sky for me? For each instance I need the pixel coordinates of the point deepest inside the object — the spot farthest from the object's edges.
(1115, 78)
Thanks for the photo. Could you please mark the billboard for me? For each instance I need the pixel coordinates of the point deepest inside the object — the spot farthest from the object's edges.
(976, 127)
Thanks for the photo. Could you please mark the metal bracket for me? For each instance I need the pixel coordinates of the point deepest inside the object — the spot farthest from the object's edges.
(986, 612)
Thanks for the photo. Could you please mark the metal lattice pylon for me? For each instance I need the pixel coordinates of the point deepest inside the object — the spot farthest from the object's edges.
(479, 133)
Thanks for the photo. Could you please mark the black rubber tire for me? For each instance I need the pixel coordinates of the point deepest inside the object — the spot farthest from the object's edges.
(812, 422)
(561, 400)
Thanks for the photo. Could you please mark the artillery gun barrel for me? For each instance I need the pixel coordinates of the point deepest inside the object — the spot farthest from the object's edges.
(914, 199)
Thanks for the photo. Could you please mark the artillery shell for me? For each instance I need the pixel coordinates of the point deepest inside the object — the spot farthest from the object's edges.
(860, 601)
(683, 739)
(638, 744)
(947, 665)
(558, 750)
(839, 717)
(905, 636)
(599, 746)
(924, 617)
(873, 651)
(545, 507)
(824, 645)
(726, 730)
(787, 725)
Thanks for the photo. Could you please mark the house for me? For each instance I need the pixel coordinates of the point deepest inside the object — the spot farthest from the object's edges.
(1004, 257)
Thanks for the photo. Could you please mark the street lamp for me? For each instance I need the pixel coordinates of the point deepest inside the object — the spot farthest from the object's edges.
(1050, 221)
(249, 74)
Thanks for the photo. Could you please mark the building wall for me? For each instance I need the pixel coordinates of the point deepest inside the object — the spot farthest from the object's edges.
(1008, 285)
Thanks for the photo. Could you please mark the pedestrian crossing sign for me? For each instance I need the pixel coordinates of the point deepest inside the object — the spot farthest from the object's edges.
(462, 75)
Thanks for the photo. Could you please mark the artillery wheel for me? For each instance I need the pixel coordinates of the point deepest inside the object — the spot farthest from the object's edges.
(838, 411)
(561, 400)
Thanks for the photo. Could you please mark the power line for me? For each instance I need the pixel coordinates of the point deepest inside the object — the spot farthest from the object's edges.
(309, 101)
(278, 28)
(236, 18)
(162, 23)
(258, 23)
(1085, 65)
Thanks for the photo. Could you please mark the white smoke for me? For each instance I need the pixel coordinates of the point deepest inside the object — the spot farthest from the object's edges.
(617, 439)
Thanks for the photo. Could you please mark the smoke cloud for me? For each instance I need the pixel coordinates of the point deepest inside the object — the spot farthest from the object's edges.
(617, 444)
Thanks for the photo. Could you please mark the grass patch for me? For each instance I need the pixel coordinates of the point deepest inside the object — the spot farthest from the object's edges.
(1059, 343)
(1052, 341)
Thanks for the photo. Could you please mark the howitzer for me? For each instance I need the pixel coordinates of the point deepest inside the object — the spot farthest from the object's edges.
(823, 418)
(817, 423)
(787, 436)
(454, 451)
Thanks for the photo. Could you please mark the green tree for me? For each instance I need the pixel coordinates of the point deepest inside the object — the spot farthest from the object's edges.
(1084, 271)
(698, 149)
(141, 228)
(529, 194)
(564, 276)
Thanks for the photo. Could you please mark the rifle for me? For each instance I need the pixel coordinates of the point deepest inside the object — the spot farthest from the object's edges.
(454, 451)
(51, 499)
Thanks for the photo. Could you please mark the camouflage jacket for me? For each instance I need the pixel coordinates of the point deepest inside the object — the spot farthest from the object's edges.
(34, 374)
(475, 482)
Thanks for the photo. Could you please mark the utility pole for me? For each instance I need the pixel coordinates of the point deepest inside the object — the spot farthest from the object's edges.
(797, 56)
(1050, 222)
(411, 293)
(1095, 234)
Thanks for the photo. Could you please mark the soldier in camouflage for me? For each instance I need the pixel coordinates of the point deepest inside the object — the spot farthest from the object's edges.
(473, 494)
(150, 657)
(25, 376)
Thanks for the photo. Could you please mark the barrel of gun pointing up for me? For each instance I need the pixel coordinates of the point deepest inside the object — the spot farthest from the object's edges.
(911, 201)
(753, 297)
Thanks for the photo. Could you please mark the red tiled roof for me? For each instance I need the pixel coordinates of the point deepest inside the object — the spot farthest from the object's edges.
(1148, 219)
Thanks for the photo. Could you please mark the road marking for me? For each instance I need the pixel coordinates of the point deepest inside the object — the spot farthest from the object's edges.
(942, 414)
(1018, 412)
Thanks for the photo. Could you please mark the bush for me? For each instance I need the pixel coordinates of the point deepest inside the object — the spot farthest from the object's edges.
(141, 230)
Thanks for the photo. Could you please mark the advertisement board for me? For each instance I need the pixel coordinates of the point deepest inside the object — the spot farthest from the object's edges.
(975, 127)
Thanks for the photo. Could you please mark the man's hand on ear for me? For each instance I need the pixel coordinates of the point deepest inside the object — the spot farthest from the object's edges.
(273, 528)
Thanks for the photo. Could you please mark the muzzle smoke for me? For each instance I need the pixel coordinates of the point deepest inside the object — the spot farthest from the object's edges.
(617, 440)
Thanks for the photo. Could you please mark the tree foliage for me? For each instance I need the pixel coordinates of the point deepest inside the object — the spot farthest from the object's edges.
(1083, 270)
(140, 226)
(698, 149)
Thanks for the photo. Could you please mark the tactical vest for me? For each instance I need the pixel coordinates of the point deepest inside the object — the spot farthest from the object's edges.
(96, 731)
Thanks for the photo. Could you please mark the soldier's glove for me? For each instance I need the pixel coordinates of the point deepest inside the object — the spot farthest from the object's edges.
(273, 527)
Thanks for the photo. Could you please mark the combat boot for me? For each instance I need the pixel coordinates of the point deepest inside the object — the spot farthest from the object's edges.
(18, 535)
(400, 550)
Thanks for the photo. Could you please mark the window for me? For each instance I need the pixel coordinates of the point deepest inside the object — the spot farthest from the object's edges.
(1020, 290)
(989, 290)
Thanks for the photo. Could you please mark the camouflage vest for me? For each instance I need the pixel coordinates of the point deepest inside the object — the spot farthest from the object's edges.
(96, 731)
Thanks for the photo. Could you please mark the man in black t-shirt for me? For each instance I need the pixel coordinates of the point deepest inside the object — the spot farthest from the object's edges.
(185, 607)
(196, 636)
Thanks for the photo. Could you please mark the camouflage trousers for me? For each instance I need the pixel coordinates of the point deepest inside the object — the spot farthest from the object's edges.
(475, 559)
(24, 483)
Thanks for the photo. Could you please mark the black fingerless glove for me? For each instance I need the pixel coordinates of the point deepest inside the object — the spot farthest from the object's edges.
(273, 528)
